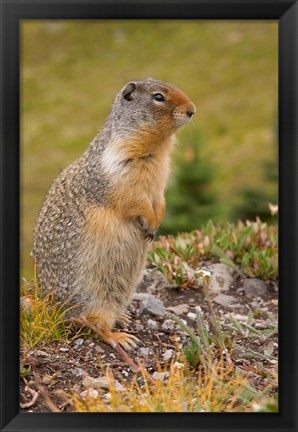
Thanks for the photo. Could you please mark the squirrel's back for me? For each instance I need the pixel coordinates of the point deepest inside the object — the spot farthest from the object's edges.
(90, 236)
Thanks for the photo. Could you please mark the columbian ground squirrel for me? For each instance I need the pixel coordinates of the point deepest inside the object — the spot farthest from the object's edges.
(91, 236)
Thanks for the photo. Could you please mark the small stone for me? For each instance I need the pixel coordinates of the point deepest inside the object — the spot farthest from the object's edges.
(238, 349)
(138, 327)
(192, 316)
(144, 352)
(160, 376)
(62, 349)
(79, 342)
(101, 383)
(89, 393)
(151, 324)
(240, 317)
(179, 309)
(99, 349)
(168, 325)
(119, 386)
(153, 281)
(153, 306)
(78, 372)
(168, 354)
(199, 310)
(91, 345)
(125, 373)
(140, 296)
(225, 300)
(140, 380)
(112, 355)
(221, 278)
(40, 353)
(178, 328)
(255, 287)
(178, 365)
(97, 383)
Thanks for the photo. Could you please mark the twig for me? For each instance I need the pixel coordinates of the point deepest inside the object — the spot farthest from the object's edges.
(34, 394)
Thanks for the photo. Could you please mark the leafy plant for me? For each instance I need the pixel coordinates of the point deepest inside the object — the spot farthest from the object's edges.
(251, 246)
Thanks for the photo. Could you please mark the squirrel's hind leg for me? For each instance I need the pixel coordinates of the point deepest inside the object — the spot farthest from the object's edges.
(119, 341)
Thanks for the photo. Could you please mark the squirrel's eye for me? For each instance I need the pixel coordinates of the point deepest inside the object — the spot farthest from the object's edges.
(158, 97)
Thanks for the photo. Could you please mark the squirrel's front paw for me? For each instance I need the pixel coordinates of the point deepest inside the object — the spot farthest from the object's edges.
(148, 232)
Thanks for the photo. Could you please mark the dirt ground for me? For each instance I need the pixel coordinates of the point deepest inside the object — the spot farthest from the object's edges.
(63, 365)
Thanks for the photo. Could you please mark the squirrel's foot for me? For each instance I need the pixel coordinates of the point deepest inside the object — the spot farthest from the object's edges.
(123, 321)
(148, 232)
(126, 340)
(121, 340)
(117, 341)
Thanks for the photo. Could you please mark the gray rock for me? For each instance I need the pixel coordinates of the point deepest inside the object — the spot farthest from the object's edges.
(225, 300)
(151, 324)
(144, 352)
(168, 325)
(79, 342)
(100, 383)
(140, 296)
(153, 281)
(179, 309)
(78, 372)
(41, 353)
(255, 287)
(139, 327)
(96, 383)
(89, 394)
(199, 310)
(222, 277)
(240, 317)
(168, 354)
(62, 349)
(160, 376)
(153, 306)
(192, 316)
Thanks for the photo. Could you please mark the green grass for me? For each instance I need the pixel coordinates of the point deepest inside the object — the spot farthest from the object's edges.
(41, 318)
(71, 70)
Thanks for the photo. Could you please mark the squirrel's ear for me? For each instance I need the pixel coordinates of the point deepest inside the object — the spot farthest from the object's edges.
(128, 90)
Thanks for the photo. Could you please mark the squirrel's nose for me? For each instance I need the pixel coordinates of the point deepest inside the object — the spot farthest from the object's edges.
(190, 113)
(191, 109)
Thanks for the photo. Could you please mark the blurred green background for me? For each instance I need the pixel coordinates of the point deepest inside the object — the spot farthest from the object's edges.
(225, 163)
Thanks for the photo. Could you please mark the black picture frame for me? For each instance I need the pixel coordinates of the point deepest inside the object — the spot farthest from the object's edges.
(286, 12)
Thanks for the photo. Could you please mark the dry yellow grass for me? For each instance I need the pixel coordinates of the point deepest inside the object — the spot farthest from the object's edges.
(217, 388)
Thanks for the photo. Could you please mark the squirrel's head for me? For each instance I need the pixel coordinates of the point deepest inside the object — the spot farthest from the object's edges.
(153, 105)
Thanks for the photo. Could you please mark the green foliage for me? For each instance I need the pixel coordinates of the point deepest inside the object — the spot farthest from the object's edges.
(252, 246)
(208, 343)
(248, 330)
(190, 198)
